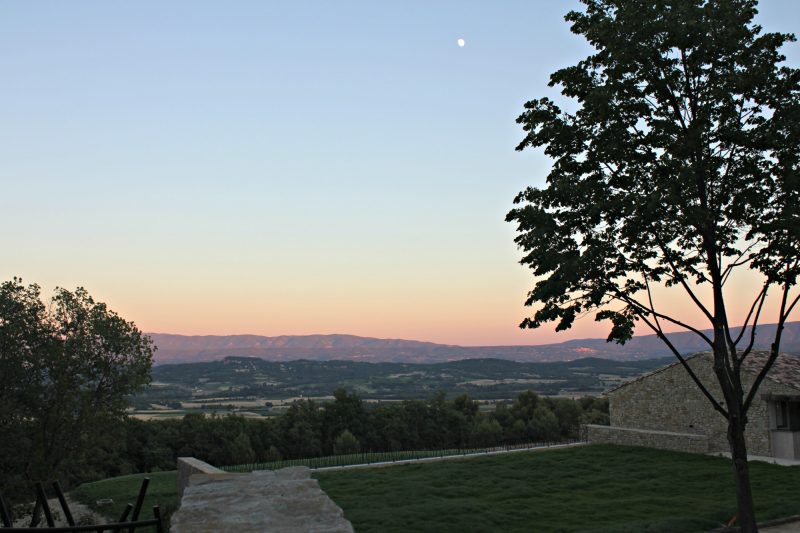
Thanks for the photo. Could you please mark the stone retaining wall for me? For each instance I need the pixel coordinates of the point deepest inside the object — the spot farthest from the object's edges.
(285, 501)
(188, 466)
(665, 440)
(667, 400)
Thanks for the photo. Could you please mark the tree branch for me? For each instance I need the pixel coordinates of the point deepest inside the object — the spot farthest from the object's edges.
(774, 349)
(650, 299)
(681, 279)
(738, 263)
(791, 307)
(762, 295)
(717, 406)
(640, 307)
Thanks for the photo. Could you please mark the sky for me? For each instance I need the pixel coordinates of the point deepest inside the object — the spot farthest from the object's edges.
(282, 168)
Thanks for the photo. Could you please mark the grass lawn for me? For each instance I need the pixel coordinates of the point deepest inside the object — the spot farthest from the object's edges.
(588, 488)
(162, 491)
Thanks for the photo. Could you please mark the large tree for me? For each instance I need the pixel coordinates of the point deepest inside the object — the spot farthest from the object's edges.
(66, 370)
(678, 168)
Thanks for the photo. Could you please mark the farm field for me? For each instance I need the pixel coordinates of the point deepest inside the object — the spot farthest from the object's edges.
(588, 488)
(256, 388)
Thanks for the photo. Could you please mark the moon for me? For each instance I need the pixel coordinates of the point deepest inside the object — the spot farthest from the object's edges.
(461, 43)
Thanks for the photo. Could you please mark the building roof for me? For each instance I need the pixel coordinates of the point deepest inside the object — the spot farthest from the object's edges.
(785, 370)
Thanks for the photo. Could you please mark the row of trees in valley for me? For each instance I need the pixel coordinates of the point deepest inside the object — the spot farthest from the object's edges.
(345, 425)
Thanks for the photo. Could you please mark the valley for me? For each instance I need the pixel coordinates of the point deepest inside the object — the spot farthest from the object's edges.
(253, 387)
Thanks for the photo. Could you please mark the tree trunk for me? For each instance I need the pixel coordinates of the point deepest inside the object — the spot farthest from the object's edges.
(741, 473)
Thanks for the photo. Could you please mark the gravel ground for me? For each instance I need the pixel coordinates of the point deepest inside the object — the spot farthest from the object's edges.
(80, 513)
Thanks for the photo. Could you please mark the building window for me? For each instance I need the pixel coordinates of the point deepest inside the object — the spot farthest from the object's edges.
(781, 415)
(785, 414)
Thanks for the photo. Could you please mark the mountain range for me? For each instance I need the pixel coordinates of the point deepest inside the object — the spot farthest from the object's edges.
(199, 348)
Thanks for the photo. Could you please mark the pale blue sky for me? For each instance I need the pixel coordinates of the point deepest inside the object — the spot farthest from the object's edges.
(280, 167)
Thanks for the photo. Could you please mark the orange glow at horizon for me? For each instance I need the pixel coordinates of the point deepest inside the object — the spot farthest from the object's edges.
(443, 314)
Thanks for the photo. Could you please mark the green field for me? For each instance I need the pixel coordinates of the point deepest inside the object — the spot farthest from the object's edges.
(590, 488)
(162, 491)
(587, 488)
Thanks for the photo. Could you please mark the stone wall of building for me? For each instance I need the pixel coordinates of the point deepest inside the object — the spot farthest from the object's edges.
(665, 440)
(669, 401)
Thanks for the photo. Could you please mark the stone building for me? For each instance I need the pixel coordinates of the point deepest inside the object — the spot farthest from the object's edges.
(665, 409)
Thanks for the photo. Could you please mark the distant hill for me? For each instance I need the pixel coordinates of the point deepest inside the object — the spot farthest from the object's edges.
(250, 377)
(188, 349)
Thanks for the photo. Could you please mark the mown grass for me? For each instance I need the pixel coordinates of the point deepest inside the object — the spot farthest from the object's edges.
(589, 488)
(162, 491)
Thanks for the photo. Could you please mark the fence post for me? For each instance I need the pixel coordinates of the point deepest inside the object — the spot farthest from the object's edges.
(140, 499)
(63, 501)
(40, 495)
(4, 514)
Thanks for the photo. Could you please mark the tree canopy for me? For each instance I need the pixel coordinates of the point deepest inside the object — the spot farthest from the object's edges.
(679, 168)
(66, 369)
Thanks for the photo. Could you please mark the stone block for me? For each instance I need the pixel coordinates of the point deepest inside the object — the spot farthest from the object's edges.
(188, 466)
(287, 500)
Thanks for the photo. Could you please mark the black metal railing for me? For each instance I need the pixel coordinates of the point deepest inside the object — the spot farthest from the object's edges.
(370, 458)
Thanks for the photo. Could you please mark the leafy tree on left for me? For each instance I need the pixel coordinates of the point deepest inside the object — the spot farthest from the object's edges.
(66, 368)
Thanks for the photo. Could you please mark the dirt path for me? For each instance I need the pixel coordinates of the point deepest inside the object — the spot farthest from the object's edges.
(81, 513)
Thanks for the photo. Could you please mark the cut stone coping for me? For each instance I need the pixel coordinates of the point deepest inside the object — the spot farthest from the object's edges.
(693, 436)
(471, 455)
(286, 500)
(779, 525)
(651, 438)
(188, 466)
(764, 459)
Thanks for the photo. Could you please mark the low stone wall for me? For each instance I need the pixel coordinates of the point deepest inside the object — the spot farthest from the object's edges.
(669, 400)
(664, 440)
(188, 466)
(286, 501)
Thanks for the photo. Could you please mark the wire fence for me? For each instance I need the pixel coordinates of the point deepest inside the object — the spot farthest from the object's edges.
(373, 458)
